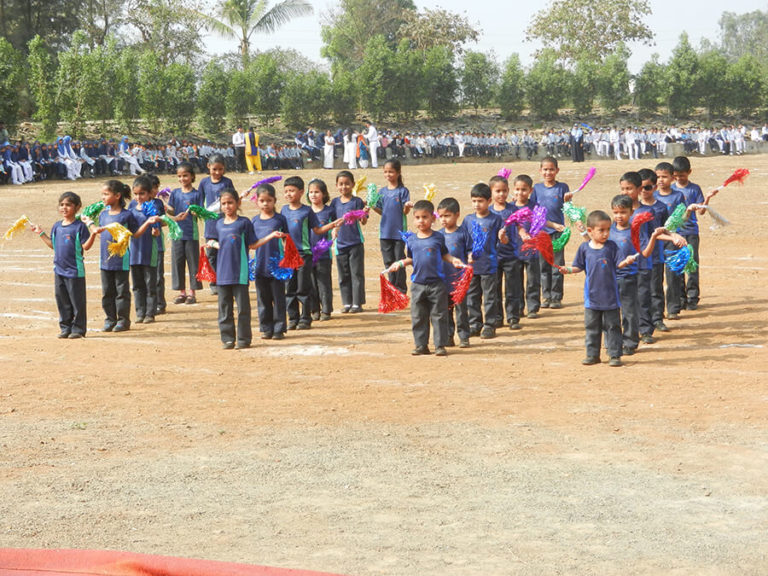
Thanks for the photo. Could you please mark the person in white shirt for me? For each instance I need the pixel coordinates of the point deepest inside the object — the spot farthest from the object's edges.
(238, 141)
(372, 136)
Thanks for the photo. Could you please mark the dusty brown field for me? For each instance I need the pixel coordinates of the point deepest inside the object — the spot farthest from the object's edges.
(336, 450)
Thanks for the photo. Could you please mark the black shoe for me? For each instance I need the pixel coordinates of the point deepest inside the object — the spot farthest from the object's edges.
(693, 305)
(673, 316)
(345, 309)
(614, 362)
(515, 326)
(108, 327)
(76, 336)
(278, 336)
(355, 310)
(304, 326)
(463, 343)
(546, 304)
(441, 351)
(228, 345)
(315, 316)
(292, 325)
(242, 345)
(661, 327)
(140, 320)
(63, 335)
(266, 335)
(159, 311)
(324, 317)
(627, 351)
(121, 327)
(556, 305)
(533, 315)
(487, 333)
(420, 351)
(591, 360)
(647, 339)
(451, 343)
(475, 331)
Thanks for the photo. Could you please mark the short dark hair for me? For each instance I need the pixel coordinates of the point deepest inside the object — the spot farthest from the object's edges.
(550, 160)
(424, 205)
(480, 190)
(346, 174)
(633, 178)
(449, 205)
(665, 167)
(295, 181)
(525, 179)
(597, 216)
(496, 179)
(648, 174)
(229, 191)
(143, 182)
(621, 201)
(681, 164)
(268, 188)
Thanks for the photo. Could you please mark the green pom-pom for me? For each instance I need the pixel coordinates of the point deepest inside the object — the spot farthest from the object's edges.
(575, 213)
(201, 212)
(558, 244)
(676, 219)
(691, 266)
(92, 211)
(373, 196)
(174, 230)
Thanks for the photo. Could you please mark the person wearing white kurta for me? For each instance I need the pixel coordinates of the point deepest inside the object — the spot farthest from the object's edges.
(350, 141)
(372, 135)
(329, 143)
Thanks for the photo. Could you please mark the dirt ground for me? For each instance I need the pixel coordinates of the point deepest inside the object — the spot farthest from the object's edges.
(335, 450)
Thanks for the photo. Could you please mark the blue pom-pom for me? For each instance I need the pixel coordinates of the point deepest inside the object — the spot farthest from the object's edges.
(149, 209)
(405, 234)
(252, 269)
(676, 260)
(277, 272)
(479, 238)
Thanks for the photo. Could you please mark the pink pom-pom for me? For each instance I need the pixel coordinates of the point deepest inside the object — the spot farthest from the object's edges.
(504, 173)
(519, 216)
(590, 175)
(354, 215)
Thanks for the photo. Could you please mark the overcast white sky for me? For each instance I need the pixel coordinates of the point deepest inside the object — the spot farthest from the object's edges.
(503, 24)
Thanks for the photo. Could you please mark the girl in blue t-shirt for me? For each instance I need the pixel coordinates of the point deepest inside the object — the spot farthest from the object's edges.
(69, 239)
(115, 270)
(210, 187)
(348, 245)
(322, 289)
(393, 206)
(144, 253)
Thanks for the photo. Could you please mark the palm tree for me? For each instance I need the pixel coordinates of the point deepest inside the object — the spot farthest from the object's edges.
(239, 19)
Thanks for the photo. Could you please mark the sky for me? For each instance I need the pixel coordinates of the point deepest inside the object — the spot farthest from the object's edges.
(502, 24)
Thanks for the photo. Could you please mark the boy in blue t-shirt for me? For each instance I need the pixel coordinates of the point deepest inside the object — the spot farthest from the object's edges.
(509, 271)
(665, 177)
(482, 297)
(690, 291)
(459, 244)
(426, 251)
(530, 271)
(599, 259)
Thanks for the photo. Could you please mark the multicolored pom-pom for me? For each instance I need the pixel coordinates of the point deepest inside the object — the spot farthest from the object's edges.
(269, 180)
(149, 209)
(504, 173)
(252, 269)
(205, 272)
(519, 216)
(391, 299)
(678, 261)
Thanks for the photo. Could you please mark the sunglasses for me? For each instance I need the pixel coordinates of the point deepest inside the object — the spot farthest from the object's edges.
(648, 187)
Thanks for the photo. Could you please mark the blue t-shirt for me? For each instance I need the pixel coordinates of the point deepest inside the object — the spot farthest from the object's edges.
(347, 235)
(232, 259)
(160, 209)
(427, 254)
(485, 262)
(180, 202)
(210, 191)
(128, 219)
(659, 211)
(300, 224)
(325, 216)
(459, 244)
(144, 248)
(393, 220)
(671, 200)
(623, 240)
(67, 243)
(552, 198)
(601, 288)
(692, 194)
(506, 251)
(513, 232)
(262, 229)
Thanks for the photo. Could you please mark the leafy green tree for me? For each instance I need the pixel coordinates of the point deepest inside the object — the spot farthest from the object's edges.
(10, 78)
(745, 34)
(343, 103)
(268, 82)
(407, 86)
(374, 78)
(683, 75)
(441, 83)
(511, 97)
(304, 100)
(178, 102)
(479, 79)
(241, 96)
(428, 28)
(746, 83)
(40, 77)
(241, 19)
(172, 28)
(546, 85)
(211, 105)
(578, 29)
(53, 20)
(651, 86)
(713, 89)
(125, 91)
(583, 85)
(613, 80)
(151, 88)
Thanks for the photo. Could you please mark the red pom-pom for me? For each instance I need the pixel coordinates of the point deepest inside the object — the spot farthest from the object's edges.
(541, 243)
(291, 256)
(461, 286)
(205, 272)
(392, 299)
(637, 223)
(738, 176)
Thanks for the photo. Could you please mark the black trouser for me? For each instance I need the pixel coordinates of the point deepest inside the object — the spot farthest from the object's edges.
(595, 323)
(629, 316)
(429, 303)
(116, 296)
(240, 156)
(532, 285)
(228, 295)
(551, 279)
(212, 254)
(482, 296)
(71, 302)
(298, 293)
(691, 289)
(144, 290)
(391, 252)
(511, 273)
(657, 293)
(185, 254)
(271, 304)
(160, 290)
(322, 293)
(350, 263)
(644, 287)
(458, 321)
